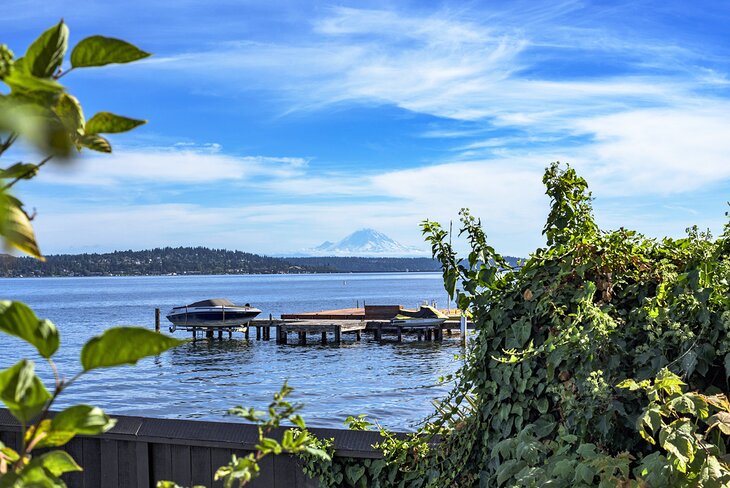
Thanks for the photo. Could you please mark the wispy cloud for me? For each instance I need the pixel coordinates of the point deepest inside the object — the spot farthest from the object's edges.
(182, 163)
(495, 72)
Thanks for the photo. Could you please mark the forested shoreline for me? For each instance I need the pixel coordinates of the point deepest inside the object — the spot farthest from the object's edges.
(198, 261)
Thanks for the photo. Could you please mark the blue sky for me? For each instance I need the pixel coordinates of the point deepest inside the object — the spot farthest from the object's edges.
(274, 126)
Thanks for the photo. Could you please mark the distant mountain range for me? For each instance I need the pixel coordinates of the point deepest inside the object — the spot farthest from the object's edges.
(364, 243)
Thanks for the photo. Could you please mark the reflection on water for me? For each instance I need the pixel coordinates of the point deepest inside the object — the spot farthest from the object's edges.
(391, 382)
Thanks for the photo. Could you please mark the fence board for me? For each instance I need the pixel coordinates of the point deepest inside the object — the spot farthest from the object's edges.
(161, 462)
(181, 473)
(201, 469)
(76, 451)
(92, 462)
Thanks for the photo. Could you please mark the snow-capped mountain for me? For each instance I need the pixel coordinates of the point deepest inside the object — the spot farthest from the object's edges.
(366, 242)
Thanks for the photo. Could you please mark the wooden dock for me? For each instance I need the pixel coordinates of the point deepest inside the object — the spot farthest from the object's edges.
(330, 326)
(321, 328)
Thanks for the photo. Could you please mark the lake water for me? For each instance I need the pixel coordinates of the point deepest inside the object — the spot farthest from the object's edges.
(392, 383)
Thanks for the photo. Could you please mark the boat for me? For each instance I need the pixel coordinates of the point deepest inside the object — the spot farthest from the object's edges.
(425, 316)
(211, 313)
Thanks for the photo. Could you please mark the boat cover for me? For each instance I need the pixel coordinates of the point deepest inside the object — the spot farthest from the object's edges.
(213, 302)
(425, 312)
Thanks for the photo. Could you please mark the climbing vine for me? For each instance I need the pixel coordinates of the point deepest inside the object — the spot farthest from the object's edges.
(602, 360)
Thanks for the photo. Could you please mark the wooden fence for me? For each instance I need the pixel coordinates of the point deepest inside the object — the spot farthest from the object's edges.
(139, 451)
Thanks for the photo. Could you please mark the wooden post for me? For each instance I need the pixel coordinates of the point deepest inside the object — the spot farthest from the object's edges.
(195, 334)
(230, 334)
(429, 334)
(420, 335)
(258, 333)
(157, 320)
(400, 334)
(324, 337)
(378, 333)
(267, 329)
(209, 333)
(303, 338)
(220, 334)
(338, 334)
(246, 333)
(357, 334)
(462, 325)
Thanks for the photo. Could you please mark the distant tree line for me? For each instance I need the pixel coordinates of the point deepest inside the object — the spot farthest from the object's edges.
(201, 260)
(168, 260)
(341, 264)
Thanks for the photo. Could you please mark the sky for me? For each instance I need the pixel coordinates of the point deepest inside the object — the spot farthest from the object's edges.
(274, 126)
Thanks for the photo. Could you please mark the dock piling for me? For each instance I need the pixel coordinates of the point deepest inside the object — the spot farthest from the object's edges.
(157, 320)
(267, 329)
(338, 334)
(462, 327)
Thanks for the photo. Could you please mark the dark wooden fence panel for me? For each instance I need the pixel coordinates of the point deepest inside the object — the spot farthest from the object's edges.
(138, 452)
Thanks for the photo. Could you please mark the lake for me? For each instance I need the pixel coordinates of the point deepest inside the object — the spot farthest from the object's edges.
(393, 383)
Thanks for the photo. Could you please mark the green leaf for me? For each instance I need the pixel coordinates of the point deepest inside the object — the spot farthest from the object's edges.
(45, 55)
(83, 419)
(354, 472)
(22, 391)
(100, 51)
(109, 123)
(28, 116)
(721, 420)
(17, 319)
(69, 111)
(95, 142)
(24, 171)
(79, 419)
(15, 227)
(124, 345)
(26, 83)
(678, 439)
(585, 473)
(58, 462)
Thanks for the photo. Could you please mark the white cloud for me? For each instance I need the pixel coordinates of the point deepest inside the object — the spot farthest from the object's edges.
(657, 151)
(179, 164)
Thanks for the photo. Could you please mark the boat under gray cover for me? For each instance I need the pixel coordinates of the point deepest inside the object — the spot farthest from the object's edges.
(216, 312)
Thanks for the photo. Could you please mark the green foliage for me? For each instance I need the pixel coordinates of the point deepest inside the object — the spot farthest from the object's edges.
(39, 110)
(600, 361)
(358, 423)
(586, 313)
